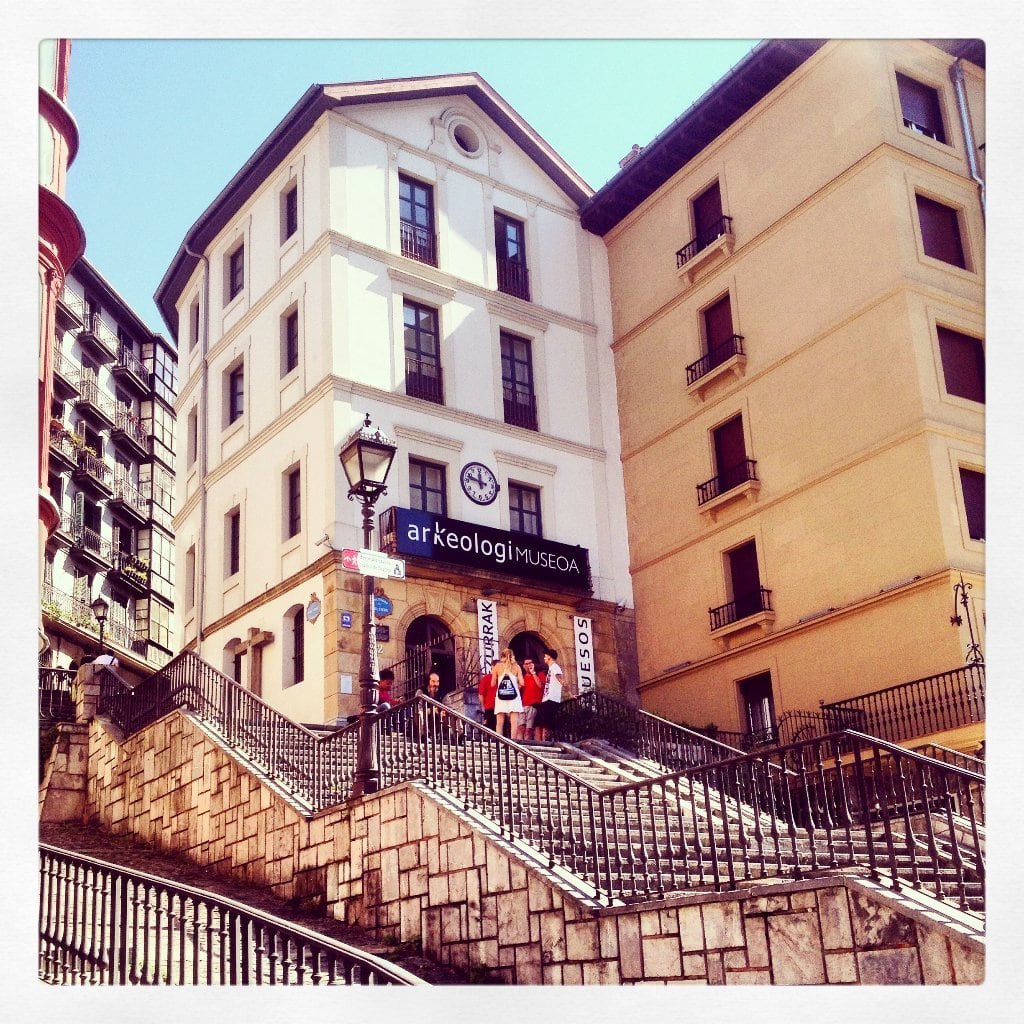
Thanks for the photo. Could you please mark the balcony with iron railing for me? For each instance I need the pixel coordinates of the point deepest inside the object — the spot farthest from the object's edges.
(98, 338)
(91, 548)
(424, 380)
(753, 608)
(520, 408)
(93, 402)
(418, 243)
(513, 278)
(130, 572)
(733, 482)
(70, 310)
(61, 607)
(66, 376)
(56, 695)
(725, 357)
(64, 446)
(715, 232)
(129, 370)
(126, 637)
(127, 500)
(93, 474)
(128, 432)
(921, 707)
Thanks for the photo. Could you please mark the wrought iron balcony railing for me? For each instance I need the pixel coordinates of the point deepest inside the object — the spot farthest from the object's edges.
(129, 368)
(103, 924)
(513, 278)
(419, 243)
(93, 400)
(722, 226)
(66, 375)
(920, 707)
(729, 478)
(424, 380)
(742, 607)
(92, 543)
(70, 308)
(63, 607)
(125, 636)
(128, 427)
(125, 493)
(715, 356)
(56, 695)
(99, 337)
(92, 469)
(63, 445)
(520, 408)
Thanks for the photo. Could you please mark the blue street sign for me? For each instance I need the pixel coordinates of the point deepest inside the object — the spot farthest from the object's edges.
(382, 606)
(346, 620)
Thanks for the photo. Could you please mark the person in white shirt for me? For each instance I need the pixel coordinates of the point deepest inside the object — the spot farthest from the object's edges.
(547, 713)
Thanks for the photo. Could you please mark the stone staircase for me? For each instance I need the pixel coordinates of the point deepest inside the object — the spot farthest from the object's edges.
(630, 825)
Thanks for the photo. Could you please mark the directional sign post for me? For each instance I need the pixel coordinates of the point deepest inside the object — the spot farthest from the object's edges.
(373, 563)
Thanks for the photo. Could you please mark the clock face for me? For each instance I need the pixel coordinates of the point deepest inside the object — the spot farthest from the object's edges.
(479, 483)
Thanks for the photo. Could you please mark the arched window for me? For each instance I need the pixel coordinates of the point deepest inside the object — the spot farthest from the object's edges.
(429, 647)
(293, 630)
(529, 646)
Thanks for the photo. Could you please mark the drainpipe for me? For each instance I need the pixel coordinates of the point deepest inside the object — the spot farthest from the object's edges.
(956, 73)
(200, 580)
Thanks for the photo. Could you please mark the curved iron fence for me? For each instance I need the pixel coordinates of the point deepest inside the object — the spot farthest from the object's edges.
(102, 924)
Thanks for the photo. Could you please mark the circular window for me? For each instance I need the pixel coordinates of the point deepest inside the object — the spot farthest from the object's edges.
(466, 139)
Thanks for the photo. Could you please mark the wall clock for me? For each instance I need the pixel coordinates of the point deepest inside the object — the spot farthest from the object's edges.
(479, 483)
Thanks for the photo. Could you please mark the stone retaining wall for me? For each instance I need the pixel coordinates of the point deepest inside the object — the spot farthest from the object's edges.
(409, 867)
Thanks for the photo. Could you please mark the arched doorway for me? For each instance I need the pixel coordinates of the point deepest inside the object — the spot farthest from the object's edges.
(429, 647)
(529, 645)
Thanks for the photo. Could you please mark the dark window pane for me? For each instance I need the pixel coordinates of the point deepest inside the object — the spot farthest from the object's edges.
(707, 214)
(524, 509)
(963, 364)
(940, 232)
(973, 485)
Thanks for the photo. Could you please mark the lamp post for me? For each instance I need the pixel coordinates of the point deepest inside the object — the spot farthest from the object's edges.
(99, 609)
(366, 458)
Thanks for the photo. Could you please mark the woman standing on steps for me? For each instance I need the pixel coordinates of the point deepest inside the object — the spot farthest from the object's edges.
(508, 698)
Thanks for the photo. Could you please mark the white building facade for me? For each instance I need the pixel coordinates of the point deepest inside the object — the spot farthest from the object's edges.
(410, 250)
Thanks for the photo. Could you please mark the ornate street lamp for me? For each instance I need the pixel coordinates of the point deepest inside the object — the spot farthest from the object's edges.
(366, 458)
(974, 655)
(99, 610)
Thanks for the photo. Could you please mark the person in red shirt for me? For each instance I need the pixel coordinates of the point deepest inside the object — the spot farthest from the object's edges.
(488, 689)
(533, 693)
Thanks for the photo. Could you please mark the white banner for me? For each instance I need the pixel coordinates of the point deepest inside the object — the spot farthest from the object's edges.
(584, 637)
(487, 630)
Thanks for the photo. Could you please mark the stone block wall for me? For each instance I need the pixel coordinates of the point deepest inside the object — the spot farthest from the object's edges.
(409, 867)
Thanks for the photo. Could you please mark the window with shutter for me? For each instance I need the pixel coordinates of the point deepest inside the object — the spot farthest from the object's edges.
(920, 107)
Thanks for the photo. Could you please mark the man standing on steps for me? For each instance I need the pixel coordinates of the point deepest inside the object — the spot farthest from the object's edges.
(547, 713)
(533, 694)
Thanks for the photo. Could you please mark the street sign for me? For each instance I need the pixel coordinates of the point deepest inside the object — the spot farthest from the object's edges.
(382, 606)
(373, 563)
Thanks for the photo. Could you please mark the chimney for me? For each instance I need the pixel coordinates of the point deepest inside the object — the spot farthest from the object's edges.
(631, 155)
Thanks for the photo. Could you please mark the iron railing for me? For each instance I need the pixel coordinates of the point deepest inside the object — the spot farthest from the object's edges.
(58, 605)
(412, 671)
(103, 924)
(127, 637)
(722, 226)
(96, 330)
(424, 380)
(72, 303)
(128, 361)
(127, 423)
(954, 757)
(595, 715)
(756, 601)
(65, 369)
(520, 408)
(716, 355)
(843, 800)
(95, 468)
(125, 492)
(62, 441)
(418, 243)
(932, 704)
(513, 278)
(57, 695)
(726, 480)
(318, 771)
(91, 397)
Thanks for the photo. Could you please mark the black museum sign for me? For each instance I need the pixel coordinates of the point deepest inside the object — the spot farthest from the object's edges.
(406, 531)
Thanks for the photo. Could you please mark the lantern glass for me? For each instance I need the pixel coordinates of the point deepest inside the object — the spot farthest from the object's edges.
(366, 459)
(99, 609)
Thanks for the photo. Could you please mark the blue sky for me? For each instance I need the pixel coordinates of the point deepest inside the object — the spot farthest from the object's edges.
(164, 124)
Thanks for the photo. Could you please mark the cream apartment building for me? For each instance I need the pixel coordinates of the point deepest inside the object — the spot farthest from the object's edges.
(411, 250)
(797, 273)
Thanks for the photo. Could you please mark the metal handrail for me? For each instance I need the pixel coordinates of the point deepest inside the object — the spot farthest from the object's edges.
(513, 277)
(520, 408)
(668, 743)
(715, 356)
(424, 380)
(842, 800)
(418, 243)
(103, 924)
(931, 704)
(754, 603)
(722, 226)
(57, 694)
(726, 480)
